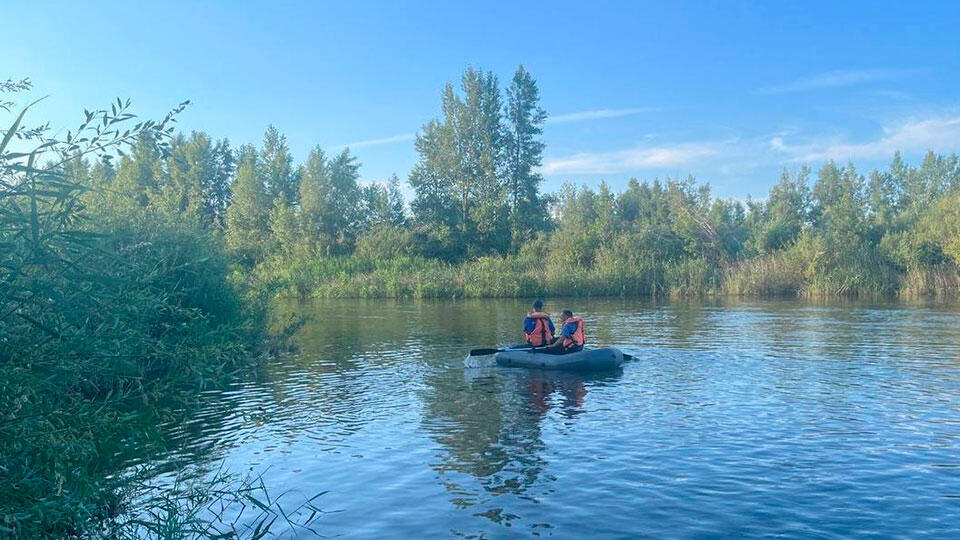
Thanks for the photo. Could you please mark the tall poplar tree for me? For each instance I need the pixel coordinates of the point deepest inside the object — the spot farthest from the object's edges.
(839, 208)
(216, 187)
(481, 139)
(383, 205)
(398, 212)
(330, 201)
(342, 222)
(435, 203)
(276, 168)
(139, 174)
(524, 150)
(459, 179)
(247, 217)
(314, 190)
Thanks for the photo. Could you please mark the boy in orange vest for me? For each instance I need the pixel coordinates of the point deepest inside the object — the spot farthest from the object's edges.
(572, 336)
(537, 326)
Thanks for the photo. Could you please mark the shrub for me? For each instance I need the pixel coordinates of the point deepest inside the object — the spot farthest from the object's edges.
(96, 316)
(385, 242)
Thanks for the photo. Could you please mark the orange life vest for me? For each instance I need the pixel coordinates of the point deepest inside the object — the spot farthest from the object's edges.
(578, 339)
(541, 334)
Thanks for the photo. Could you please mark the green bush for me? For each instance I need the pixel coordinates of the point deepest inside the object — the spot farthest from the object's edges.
(149, 314)
(939, 229)
(104, 322)
(385, 242)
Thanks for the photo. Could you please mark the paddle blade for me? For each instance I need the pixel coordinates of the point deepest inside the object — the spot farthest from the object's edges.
(484, 352)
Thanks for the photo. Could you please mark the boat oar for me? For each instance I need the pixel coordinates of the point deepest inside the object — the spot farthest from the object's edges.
(485, 352)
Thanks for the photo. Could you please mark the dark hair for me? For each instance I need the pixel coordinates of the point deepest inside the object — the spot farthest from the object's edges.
(538, 304)
(567, 313)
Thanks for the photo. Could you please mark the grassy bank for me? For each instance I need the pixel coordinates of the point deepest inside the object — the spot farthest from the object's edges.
(487, 277)
(785, 275)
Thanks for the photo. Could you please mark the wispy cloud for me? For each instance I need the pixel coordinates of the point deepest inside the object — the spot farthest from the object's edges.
(835, 79)
(377, 142)
(895, 95)
(939, 133)
(620, 161)
(597, 114)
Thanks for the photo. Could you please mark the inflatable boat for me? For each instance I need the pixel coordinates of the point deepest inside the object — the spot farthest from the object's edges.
(585, 360)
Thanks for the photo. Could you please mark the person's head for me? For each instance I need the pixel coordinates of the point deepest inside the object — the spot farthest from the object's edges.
(538, 305)
(567, 314)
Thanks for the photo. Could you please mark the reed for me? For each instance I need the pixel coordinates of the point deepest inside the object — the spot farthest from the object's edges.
(940, 282)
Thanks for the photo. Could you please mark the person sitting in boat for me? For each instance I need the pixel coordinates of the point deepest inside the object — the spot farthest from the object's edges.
(572, 335)
(537, 326)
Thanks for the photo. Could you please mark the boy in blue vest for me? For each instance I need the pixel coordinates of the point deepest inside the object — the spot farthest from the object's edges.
(537, 326)
(572, 335)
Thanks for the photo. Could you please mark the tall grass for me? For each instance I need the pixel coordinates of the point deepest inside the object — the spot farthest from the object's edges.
(800, 271)
(941, 281)
(765, 277)
(198, 505)
(358, 276)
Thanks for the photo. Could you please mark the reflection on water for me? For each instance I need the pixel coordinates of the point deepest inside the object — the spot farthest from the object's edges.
(739, 420)
(489, 425)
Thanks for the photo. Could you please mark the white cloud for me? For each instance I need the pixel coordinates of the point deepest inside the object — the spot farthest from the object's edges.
(936, 133)
(835, 79)
(620, 161)
(377, 142)
(597, 114)
(777, 143)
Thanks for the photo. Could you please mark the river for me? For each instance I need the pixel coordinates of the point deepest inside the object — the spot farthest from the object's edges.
(737, 420)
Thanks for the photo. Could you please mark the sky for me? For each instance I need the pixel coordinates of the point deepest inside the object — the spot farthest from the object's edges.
(730, 92)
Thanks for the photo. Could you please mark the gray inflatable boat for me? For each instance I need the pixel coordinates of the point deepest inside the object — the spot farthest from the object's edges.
(585, 360)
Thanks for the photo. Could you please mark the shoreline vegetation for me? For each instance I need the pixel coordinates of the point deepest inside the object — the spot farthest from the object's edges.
(512, 277)
(111, 325)
(479, 225)
(136, 264)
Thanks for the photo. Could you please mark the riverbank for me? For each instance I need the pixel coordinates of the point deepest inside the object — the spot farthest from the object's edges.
(516, 277)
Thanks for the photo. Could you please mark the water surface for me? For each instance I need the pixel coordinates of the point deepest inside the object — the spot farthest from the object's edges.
(782, 419)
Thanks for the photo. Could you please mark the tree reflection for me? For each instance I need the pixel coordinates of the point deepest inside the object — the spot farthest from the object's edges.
(489, 424)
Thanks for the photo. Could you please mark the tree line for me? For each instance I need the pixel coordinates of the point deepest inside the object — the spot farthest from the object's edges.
(476, 185)
(477, 193)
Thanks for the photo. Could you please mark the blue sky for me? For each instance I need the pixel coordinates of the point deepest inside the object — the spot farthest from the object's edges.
(731, 92)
